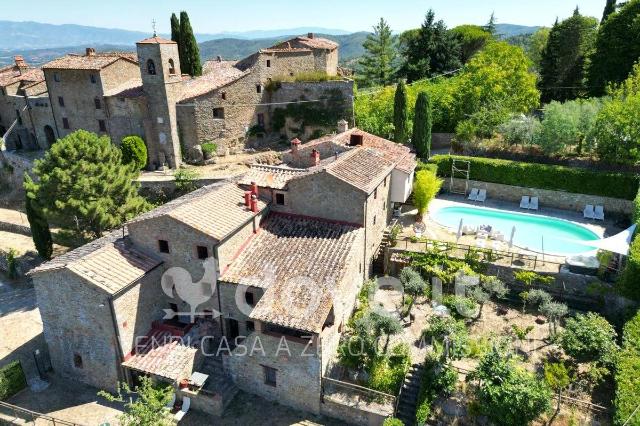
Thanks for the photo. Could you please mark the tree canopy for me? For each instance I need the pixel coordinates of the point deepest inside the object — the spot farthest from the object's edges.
(429, 51)
(40, 231)
(471, 39)
(422, 125)
(563, 58)
(188, 47)
(82, 185)
(134, 151)
(377, 66)
(400, 119)
(589, 338)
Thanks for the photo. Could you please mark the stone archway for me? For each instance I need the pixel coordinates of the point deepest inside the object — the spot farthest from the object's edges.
(50, 135)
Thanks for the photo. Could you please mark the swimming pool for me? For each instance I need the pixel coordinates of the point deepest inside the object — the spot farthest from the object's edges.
(559, 235)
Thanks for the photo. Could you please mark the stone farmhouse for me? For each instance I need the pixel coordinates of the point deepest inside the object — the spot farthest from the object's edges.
(290, 245)
(234, 104)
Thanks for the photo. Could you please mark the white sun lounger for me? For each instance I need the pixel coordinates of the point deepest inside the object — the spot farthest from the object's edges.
(482, 196)
(186, 403)
(533, 205)
(473, 195)
(588, 212)
(599, 213)
(524, 203)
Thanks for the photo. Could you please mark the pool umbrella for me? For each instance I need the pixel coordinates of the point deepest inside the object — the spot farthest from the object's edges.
(513, 232)
(459, 231)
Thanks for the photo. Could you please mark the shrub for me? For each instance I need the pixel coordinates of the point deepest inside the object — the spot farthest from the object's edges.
(12, 380)
(12, 263)
(544, 176)
(629, 282)
(209, 148)
(387, 373)
(392, 421)
(185, 180)
(589, 338)
(628, 372)
(134, 150)
(436, 381)
(425, 188)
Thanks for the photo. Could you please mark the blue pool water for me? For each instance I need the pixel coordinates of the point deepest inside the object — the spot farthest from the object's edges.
(559, 235)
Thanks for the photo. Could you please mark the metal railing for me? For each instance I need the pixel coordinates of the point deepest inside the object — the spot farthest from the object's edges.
(24, 415)
(332, 386)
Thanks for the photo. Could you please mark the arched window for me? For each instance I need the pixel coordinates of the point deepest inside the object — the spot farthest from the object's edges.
(172, 67)
(151, 67)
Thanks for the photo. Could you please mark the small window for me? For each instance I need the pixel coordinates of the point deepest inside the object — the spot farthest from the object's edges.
(375, 218)
(163, 246)
(260, 118)
(218, 113)
(251, 326)
(60, 101)
(56, 77)
(65, 123)
(258, 88)
(375, 194)
(248, 297)
(151, 67)
(384, 205)
(97, 103)
(268, 63)
(280, 199)
(172, 67)
(77, 361)
(385, 182)
(93, 78)
(269, 375)
(203, 252)
(223, 95)
(102, 125)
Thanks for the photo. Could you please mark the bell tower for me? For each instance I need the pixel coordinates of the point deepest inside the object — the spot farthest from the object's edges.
(161, 78)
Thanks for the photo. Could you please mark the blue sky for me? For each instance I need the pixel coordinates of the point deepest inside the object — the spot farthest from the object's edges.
(213, 16)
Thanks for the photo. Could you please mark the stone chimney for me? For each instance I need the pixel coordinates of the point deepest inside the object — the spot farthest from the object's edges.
(20, 63)
(219, 58)
(315, 157)
(295, 144)
(254, 204)
(343, 126)
(311, 35)
(90, 51)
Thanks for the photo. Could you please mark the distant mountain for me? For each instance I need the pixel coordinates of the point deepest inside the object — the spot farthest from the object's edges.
(233, 48)
(510, 30)
(35, 35)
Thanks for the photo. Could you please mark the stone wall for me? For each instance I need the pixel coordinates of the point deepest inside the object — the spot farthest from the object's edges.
(12, 170)
(230, 309)
(555, 199)
(378, 213)
(77, 320)
(126, 117)
(350, 413)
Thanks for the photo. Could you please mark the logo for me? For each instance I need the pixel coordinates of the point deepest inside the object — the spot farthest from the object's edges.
(178, 282)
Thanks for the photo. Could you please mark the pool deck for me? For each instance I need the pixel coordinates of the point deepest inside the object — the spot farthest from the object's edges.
(435, 231)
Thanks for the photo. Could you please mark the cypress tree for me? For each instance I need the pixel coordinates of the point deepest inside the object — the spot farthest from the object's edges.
(400, 113)
(422, 124)
(608, 9)
(175, 33)
(190, 50)
(40, 231)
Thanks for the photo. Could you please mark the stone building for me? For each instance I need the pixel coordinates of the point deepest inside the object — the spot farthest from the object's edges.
(24, 107)
(276, 256)
(290, 89)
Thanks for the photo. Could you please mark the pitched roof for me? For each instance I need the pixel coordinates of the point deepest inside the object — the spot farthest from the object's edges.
(299, 261)
(265, 176)
(302, 43)
(156, 40)
(217, 75)
(110, 263)
(95, 61)
(216, 210)
(128, 89)
(363, 168)
(12, 74)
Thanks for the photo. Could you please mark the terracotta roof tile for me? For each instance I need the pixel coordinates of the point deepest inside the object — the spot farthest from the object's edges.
(96, 61)
(302, 43)
(12, 74)
(275, 177)
(299, 261)
(218, 74)
(128, 89)
(363, 168)
(156, 40)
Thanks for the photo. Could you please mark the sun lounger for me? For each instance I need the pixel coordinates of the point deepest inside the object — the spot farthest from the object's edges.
(473, 195)
(533, 205)
(482, 196)
(588, 212)
(524, 203)
(468, 230)
(186, 403)
(599, 213)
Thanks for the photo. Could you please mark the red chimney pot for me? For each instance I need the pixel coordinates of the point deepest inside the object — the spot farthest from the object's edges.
(254, 189)
(315, 155)
(254, 204)
(247, 199)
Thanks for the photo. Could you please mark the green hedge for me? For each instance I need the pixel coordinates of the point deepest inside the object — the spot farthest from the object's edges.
(628, 374)
(629, 282)
(12, 380)
(545, 176)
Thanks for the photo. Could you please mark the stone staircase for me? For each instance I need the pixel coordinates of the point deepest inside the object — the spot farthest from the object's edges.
(408, 403)
(219, 381)
(378, 260)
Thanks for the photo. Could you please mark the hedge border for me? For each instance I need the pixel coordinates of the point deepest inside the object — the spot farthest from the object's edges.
(16, 379)
(628, 374)
(545, 176)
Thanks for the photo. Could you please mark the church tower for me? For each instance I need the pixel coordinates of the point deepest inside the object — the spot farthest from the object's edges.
(161, 78)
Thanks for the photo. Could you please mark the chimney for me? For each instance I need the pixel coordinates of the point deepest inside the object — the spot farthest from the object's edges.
(219, 58)
(90, 51)
(20, 63)
(254, 204)
(311, 35)
(343, 126)
(247, 199)
(254, 189)
(315, 155)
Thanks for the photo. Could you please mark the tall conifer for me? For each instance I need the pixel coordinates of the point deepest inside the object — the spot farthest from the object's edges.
(190, 51)
(400, 113)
